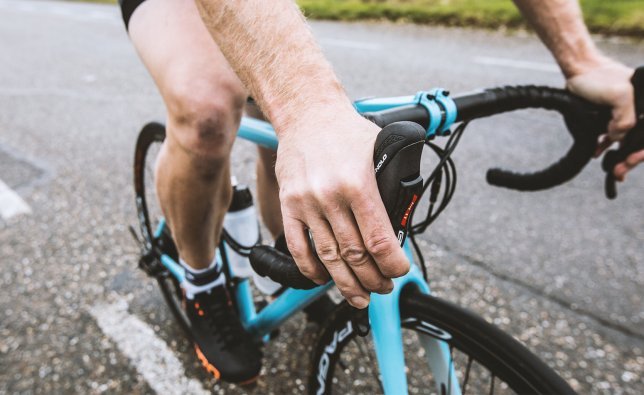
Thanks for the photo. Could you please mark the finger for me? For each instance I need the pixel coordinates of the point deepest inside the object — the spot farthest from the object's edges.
(377, 233)
(623, 118)
(603, 144)
(329, 253)
(631, 161)
(354, 253)
(297, 241)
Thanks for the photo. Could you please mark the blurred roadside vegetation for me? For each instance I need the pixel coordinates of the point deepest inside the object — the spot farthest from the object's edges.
(620, 17)
(612, 17)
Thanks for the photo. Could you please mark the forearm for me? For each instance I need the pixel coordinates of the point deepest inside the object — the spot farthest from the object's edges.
(272, 50)
(560, 25)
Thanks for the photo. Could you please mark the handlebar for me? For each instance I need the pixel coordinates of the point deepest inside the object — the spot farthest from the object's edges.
(585, 122)
(400, 143)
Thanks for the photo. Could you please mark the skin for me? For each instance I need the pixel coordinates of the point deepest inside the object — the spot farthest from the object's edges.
(324, 161)
(204, 100)
(588, 72)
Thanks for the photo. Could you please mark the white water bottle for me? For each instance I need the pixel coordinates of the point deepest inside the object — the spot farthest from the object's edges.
(241, 225)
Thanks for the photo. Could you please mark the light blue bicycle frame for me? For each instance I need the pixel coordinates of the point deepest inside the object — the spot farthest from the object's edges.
(384, 310)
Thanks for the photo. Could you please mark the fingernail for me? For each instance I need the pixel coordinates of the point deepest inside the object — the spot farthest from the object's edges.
(359, 302)
(320, 281)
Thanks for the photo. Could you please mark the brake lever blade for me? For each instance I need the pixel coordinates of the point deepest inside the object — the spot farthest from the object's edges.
(634, 140)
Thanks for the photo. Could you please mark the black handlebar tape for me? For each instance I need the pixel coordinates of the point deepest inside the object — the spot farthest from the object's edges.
(634, 140)
(397, 155)
(585, 122)
(279, 267)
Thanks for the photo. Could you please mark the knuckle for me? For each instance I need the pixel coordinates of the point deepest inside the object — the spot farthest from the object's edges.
(325, 193)
(351, 186)
(328, 252)
(380, 245)
(291, 196)
(354, 255)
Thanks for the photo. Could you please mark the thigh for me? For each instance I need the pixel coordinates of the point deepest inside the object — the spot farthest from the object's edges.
(183, 59)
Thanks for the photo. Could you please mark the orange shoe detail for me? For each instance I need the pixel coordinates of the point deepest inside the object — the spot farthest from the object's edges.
(207, 364)
(249, 381)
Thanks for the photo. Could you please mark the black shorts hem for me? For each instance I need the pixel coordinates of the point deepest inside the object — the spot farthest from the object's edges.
(127, 9)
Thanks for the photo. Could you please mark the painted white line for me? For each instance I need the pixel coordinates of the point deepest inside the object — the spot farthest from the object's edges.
(150, 355)
(75, 11)
(350, 44)
(518, 64)
(11, 204)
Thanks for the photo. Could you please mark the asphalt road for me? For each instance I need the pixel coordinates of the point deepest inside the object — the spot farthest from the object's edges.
(562, 270)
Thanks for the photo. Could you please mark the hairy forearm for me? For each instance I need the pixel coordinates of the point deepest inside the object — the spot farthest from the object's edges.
(560, 25)
(272, 50)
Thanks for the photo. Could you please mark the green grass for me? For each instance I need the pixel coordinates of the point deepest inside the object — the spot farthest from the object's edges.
(617, 17)
(622, 17)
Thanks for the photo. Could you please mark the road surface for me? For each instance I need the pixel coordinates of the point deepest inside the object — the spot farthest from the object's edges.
(562, 270)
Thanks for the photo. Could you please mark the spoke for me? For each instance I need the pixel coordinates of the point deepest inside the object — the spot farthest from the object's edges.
(467, 373)
(492, 386)
(368, 354)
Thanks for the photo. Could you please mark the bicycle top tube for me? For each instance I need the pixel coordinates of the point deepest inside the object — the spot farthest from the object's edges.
(436, 112)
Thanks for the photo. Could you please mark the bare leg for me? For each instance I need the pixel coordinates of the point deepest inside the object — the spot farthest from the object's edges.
(267, 187)
(204, 99)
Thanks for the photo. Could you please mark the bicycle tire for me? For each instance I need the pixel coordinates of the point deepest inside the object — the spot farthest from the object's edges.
(505, 359)
(154, 134)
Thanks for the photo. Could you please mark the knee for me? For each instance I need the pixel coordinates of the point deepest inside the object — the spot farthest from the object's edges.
(204, 121)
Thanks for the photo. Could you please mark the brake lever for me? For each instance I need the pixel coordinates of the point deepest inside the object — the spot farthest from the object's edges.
(397, 154)
(634, 140)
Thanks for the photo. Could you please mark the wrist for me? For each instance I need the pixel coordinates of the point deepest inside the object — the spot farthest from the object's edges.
(311, 110)
(583, 58)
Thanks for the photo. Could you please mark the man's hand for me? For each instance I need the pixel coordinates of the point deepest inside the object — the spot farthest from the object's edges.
(589, 74)
(328, 188)
(608, 82)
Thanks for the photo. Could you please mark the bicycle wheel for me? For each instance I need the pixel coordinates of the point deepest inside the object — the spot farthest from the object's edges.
(484, 359)
(149, 212)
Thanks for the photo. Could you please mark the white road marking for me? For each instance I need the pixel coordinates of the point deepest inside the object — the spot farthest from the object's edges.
(350, 44)
(11, 204)
(150, 355)
(77, 11)
(518, 64)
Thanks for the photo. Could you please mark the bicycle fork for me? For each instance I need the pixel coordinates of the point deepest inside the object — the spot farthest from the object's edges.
(386, 331)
